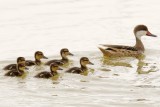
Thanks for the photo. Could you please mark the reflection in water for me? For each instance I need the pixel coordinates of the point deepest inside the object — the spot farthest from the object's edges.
(143, 64)
(119, 61)
(115, 62)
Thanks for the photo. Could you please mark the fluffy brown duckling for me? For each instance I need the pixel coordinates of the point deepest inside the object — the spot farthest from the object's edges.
(64, 53)
(19, 71)
(53, 71)
(78, 70)
(14, 66)
(38, 56)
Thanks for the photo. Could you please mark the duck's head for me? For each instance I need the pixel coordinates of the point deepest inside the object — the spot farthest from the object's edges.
(54, 67)
(84, 61)
(39, 55)
(65, 52)
(21, 60)
(22, 67)
(141, 30)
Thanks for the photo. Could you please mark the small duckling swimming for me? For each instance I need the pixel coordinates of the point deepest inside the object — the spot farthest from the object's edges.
(19, 71)
(78, 70)
(53, 71)
(38, 56)
(64, 53)
(14, 66)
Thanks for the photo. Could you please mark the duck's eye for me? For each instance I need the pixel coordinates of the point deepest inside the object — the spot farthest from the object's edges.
(54, 67)
(85, 60)
(65, 51)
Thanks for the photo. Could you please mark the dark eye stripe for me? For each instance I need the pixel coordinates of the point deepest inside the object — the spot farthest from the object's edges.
(55, 66)
(65, 51)
(85, 60)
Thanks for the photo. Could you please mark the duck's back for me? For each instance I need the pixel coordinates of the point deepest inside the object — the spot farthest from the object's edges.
(75, 70)
(120, 51)
(58, 62)
(30, 63)
(10, 67)
(13, 73)
(43, 74)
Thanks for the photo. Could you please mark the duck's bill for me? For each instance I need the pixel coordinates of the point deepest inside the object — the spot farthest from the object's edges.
(23, 62)
(150, 34)
(91, 63)
(26, 68)
(70, 54)
(60, 69)
(61, 63)
(45, 57)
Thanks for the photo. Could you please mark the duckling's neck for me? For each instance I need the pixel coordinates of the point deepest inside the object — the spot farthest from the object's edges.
(64, 58)
(54, 73)
(139, 45)
(20, 71)
(84, 67)
(38, 62)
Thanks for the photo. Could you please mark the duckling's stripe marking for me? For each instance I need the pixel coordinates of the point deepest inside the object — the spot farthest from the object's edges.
(111, 49)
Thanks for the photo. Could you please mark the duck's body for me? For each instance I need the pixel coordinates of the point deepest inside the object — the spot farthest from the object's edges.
(14, 66)
(46, 74)
(14, 73)
(59, 62)
(64, 53)
(10, 67)
(128, 51)
(19, 71)
(120, 51)
(38, 56)
(78, 70)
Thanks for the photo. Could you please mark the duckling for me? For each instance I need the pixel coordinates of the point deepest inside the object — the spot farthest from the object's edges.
(38, 56)
(13, 66)
(78, 70)
(19, 71)
(64, 53)
(53, 71)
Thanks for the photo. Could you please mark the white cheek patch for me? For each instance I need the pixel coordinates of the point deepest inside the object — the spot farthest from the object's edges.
(139, 34)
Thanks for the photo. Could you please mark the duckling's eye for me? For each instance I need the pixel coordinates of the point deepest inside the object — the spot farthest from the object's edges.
(55, 67)
(85, 60)
(65, 51)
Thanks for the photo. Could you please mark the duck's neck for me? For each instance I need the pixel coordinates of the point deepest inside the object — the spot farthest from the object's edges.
(54, 73)
(139, 45)
(64, 58)
(84, 67)
(38, 62)
(20, 71)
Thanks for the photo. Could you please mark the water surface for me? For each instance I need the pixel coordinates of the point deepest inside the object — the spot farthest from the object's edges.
(80, 25)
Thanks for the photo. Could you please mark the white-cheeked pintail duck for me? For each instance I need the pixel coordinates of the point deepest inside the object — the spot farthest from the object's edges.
(84, 61)
(14, 66)
(38, 56)
(128, 51)
(64, 53)
(46, 74)
(19, 71)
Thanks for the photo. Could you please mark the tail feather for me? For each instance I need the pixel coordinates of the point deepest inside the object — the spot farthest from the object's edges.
(105, 53)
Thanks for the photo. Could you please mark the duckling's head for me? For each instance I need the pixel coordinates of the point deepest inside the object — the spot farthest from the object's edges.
(84, 61)
(22, 67)
(20, 60)
(65, 52)
(39, 55)
(141, 30)
(54, 67)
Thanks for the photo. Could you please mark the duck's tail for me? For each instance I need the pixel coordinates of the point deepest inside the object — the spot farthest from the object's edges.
(105, 53)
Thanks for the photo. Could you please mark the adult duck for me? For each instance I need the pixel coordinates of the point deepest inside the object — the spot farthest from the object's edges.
(128, 51)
